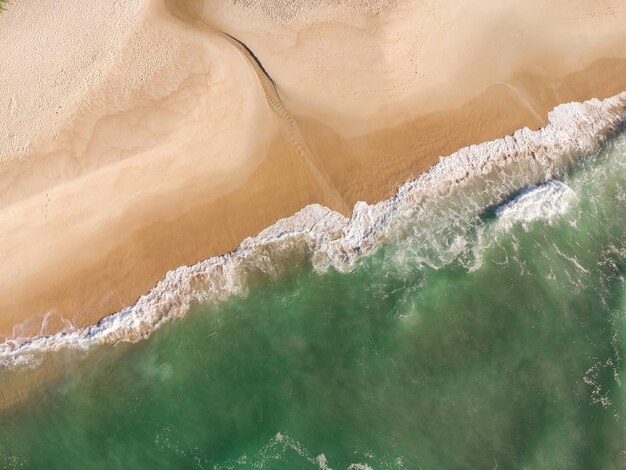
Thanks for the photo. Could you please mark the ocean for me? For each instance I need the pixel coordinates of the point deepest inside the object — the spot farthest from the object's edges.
(486, 329)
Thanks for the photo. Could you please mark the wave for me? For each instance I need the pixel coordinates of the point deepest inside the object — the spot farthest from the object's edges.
(491, 171)
(544, 202)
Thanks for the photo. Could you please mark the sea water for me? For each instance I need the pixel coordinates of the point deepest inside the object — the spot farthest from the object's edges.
(489, 340)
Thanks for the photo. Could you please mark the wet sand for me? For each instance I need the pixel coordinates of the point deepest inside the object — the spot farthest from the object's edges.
(158, 134)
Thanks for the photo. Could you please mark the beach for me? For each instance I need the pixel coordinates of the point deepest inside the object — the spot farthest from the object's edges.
(159, 134)
(483, 327)
(320, 234)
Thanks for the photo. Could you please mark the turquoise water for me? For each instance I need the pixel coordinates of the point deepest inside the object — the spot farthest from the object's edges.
(495, 343)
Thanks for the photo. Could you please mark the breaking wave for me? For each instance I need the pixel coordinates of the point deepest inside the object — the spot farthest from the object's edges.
(544, 202)
(457, 189)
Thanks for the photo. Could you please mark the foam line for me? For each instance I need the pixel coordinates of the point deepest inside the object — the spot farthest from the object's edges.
(496, 168)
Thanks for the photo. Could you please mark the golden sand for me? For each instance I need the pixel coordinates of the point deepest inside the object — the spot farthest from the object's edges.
(150, 137)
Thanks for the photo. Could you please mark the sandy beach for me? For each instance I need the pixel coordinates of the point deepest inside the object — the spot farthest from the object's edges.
(139, 136)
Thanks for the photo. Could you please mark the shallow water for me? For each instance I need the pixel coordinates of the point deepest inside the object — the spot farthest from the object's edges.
(490, 341)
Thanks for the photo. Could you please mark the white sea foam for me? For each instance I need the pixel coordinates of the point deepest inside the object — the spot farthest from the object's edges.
(489, 172)
(281, 448)
(545, 202)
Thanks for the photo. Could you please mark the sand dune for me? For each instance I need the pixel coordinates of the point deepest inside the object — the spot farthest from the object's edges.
(150, 135)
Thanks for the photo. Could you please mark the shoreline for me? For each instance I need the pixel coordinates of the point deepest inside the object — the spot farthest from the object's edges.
(329, 239)
(164, 156)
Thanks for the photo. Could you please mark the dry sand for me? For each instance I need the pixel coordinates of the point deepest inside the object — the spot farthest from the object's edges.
(138, 136)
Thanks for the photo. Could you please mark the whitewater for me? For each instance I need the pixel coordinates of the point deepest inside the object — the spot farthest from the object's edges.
(458, 189)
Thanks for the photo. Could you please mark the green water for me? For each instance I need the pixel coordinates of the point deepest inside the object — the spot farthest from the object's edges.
(509, 356)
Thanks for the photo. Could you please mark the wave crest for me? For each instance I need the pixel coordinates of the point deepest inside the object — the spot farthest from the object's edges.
(544, 202)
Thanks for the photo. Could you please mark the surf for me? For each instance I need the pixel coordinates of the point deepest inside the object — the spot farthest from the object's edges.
(460, 186)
